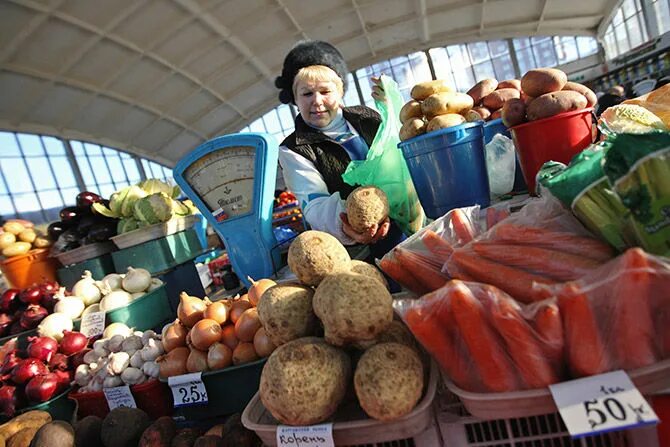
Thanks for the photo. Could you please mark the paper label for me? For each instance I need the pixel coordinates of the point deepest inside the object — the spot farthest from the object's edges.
(93, 324)
(311, 436)
(188, 389)
(119, 396)
(601, 403)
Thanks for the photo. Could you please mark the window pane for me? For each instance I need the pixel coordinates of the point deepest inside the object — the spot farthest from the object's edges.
(16, 175)
(634, 32)
(503, 67)
(41, 173)
(521, 43)
(458, 56)
(6, 208)
(30, 144)
(131, 170)
(484, 70)
(271, 121)
(621, 39)
(257, 126)
(479, 51)
(63, 172)
(420, 69)
(464, 79)
(441, 64)
(8, 145)
(587, 46)
(610, 46)
(51, 199)
(116, 168)
(544, 54)
(77, 148)
(86, 174)
(106, 190)
(566, 49)
(53, 146)
(526, 60)
(498, 47)
(100, 171)
(628, 8)
(662, 13)
(70, 194)
(26, 202)
(92, 149)
(350, 99)
(618, 18)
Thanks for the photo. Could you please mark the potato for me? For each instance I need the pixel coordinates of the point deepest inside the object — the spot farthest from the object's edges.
(495, 100)
(483, 112)
(366, 206)
(34, 418)
(16, 249)
(363, 268)
(543, 80)
(448, 102)
(159, 433)
(27, 235)
(526, 99)
(185, 437)
(285, 310)
(56, 433)
(591, 98)
(304, 381)
(23, 438)
(471, 116)
(412, 128)
(41, 242)
(514, 112)
(87, 431)
(510, 83)
(6, 239)
(389, 381)
(123, 427)
(482, 88)
(208, 441)
(410, 110)
(352, 307)
(496, 114)
(14, 227)
(553, 103)
(315, 254)
(445, 121)
(423, 90)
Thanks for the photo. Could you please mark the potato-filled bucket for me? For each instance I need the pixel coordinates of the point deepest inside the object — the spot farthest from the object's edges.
(491, 129)
(556, 138)
(448, 168)
(34, 267)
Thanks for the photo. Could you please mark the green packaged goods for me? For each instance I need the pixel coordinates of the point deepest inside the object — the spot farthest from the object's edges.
(638, 167)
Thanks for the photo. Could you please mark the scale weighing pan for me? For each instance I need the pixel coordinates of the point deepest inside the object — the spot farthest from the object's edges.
(231, 180)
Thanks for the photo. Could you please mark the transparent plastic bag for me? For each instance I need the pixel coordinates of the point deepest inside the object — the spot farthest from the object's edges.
(500, 165)
(385, 166)
(543, 243)
(417, 262)
(484, 340)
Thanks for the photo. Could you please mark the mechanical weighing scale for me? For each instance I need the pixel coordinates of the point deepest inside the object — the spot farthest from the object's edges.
(231, 179)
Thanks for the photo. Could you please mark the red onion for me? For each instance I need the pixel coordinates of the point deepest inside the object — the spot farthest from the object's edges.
(5, 322)
(73, 342)
(11, 360)
(49, 287)
(48, 301)
(8, 300)
(31, 295)
(58, 361)
(27, 369)
(64, 379)
(42, 388)
(78, 358)
(16, 328)
(9, 400)
(32, 316)
(42, 348)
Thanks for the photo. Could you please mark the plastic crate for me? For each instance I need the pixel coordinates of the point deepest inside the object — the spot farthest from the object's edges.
(98, 266)
(459, 429)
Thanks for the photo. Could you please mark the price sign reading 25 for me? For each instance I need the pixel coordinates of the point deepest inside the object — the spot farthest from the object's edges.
(601, 403)
(188, 389)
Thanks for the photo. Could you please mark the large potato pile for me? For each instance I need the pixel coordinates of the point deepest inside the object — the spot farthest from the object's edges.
(540, 93)
(340, 304)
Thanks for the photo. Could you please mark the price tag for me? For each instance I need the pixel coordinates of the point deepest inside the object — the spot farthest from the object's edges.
(311, 436)
(605, 402)
(93, 324)
(188, 389)
(119, 396)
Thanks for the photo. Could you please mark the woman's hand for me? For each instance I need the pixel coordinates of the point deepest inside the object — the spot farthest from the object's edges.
(377, 89)
(372, 235)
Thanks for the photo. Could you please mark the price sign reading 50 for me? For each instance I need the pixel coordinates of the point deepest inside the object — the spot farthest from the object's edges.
(188, 389)
(601, 403)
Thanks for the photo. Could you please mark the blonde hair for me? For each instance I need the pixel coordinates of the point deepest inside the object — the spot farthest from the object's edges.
(318, 73)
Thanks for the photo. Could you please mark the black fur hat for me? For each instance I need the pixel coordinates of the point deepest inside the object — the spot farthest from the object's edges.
(305, 54)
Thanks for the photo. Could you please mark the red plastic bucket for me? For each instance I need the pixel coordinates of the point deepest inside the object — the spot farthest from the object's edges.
(558, 138)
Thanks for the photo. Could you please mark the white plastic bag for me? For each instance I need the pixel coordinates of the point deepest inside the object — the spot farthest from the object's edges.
(500, 165)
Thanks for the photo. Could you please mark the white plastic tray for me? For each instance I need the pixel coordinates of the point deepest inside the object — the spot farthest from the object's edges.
(141, 235)
(648, 380)
(84, 253)
(351, 426)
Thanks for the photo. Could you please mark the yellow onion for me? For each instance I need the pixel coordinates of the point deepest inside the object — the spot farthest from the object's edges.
(258, 288)
(174, 362)
(196, 361)
(174, 336)
(205, 333)
(190, 309)
(219, 356)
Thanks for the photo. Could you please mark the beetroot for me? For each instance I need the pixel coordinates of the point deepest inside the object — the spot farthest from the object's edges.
(32, 316)
(42, 388)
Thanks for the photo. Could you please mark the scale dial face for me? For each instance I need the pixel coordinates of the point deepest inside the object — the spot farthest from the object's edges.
(224, 180)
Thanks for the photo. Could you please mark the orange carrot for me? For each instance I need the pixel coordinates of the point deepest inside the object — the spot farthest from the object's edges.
(437, 245)
(491, 217)
(437, 340)
(514, 281)
(462, 228)
(554, 264)
(402, 276)
(531, 362)
(550, 333)
(485, 349)
(561, 241)
(585, 349)
(423, 269)
(633, 328)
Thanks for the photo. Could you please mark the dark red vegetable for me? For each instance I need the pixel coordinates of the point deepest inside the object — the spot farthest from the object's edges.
(55, 229)
(78, 358)
(70, 214)
(42, 348)
(64, 379)
(9, 362)
(73, 342)
(9, 301)
(49, 286)
(31, 295)
(87, 198)
(42, 388)
(10, 399)
(5, 322)
(32, 316)
(16, 328)
(27, 369)
(48, 301)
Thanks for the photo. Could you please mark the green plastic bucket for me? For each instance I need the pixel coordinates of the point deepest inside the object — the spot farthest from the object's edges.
(61, 408)
(99, 268)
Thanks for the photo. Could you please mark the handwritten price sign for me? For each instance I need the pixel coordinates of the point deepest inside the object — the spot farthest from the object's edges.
(601, 403)
(188, 389)
(310, 436)
(119, 396)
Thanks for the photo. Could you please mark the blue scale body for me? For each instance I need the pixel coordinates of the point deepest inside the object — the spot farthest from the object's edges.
(246, 230)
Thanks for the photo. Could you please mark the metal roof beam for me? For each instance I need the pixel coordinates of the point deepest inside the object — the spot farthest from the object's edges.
(364, 27)
(292, 18)
(539, 21)
(423, 21)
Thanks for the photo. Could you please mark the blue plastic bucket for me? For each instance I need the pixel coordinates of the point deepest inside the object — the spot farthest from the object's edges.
(448, 168)
(494, 127)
